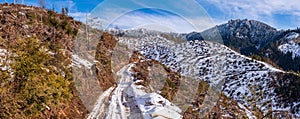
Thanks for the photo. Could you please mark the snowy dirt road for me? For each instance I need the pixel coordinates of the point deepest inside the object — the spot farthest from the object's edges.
(115, 109)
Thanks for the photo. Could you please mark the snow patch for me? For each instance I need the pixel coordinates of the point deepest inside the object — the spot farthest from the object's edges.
(77, 61)
(154, 105)
(248, 113)
(99, 104)
(291, 47)
(292, 35)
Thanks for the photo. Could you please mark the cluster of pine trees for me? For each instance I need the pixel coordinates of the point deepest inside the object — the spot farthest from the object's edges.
(31, 85)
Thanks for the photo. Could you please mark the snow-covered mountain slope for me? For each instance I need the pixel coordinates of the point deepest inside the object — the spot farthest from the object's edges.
(252, 83)
(289, 44)
(254, 38)
(253, 33)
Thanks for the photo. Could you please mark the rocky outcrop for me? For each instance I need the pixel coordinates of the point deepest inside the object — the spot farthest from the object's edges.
(103, 56)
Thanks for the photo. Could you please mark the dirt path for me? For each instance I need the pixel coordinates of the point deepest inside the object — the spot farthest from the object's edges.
(116, 108)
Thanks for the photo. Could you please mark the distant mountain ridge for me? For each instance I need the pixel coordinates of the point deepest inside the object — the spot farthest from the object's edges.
(251, 37)
(253, 33)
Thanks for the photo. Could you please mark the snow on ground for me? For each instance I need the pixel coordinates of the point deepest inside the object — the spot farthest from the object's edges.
(99, 105)
(151, 105)
(268, 66)
(77, 61)
(3, 52)
(3, 56)
(292, 35)
(4, 62)
(291, 47)
(245, 78)
(154, 105)
(116, 108)
(248, 113)
(297, 113)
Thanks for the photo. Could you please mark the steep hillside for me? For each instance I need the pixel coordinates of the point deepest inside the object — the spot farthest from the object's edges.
(193, 76)
(284, 51)
(245, 35)
(258, 40)
(36, 77)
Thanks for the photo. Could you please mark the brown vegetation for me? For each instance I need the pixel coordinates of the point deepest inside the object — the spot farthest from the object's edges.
(171, 85)
(42, 85)
(103, 68)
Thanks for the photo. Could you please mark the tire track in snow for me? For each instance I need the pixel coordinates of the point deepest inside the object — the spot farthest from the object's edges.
(100, 104)
(116, 109)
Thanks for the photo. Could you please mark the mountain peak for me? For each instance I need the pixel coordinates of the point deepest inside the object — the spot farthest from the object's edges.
(249, 23)
(244, 34)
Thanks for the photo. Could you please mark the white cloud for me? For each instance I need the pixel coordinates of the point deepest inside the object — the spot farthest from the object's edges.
(166, 23)
(160, 22)
(80, 16)
(155, 22)
(185, 10)
(259, 7)
(263, 10)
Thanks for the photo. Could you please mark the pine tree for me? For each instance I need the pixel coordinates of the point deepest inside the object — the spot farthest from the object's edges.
(36, 85)
(63, 11)
(67, 10)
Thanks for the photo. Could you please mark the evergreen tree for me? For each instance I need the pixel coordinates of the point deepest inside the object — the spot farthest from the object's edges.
(63, 11)
(35, 86)
(67, 10)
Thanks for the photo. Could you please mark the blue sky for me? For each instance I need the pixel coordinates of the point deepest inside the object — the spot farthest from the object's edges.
(281, 14)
